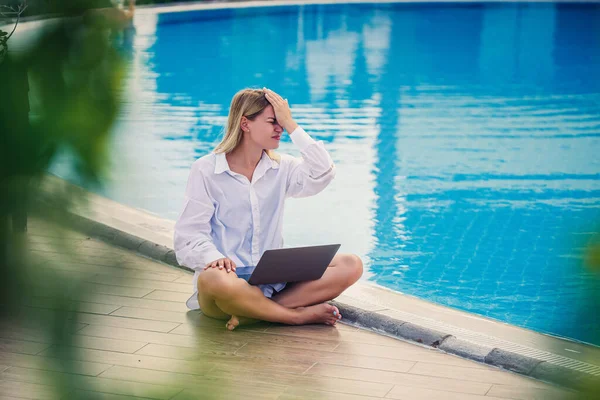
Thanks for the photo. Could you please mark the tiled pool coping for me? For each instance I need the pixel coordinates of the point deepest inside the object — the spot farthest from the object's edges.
(366, 305)
(181, 7)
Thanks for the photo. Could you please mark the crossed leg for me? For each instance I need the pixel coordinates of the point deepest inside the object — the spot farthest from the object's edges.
(224, 296)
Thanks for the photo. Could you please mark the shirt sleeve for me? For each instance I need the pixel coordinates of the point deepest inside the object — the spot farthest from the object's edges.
(193, 242)
(311, 173)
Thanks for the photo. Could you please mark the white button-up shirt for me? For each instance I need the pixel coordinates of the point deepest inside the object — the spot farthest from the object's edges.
(226, 215)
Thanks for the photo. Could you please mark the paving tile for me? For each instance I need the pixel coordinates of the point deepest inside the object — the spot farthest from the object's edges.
(3, 397)
(92, 243)
(531, 393)
(188, 381)
(154, 315)
(86, 394)
(140, 283)
(236, 361)
(78, 306)
(415, 393)
(52, 364)
(250, 381)
(276, 353)
(53, 247)
(408, 352)
(200, 322)
(396, 378)
(188, 279)
(164, 362)
(119, 322)
(52, 233)
(208, 343)
(59, 261)
(210, 336)
(160, 305)
(295, 393)
(227, 391)
(27, 390)
(193, 318)
(473, 374)
(100, 343)
(41, 343)
(339, 332)
(170, 296)
(75, 257)
(115, 270)
(134, 261)
(34, 334)
(314, 382)
(95, 384)
(56, 239)
(21, 346)
(115, 290)
(67, 251)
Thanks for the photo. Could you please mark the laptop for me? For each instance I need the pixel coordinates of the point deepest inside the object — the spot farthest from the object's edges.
(293, 264)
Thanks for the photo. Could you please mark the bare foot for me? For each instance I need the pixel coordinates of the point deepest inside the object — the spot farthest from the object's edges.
(323, 313)
(234, 322)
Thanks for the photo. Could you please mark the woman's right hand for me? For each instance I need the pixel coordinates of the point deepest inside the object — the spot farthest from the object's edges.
(221, 263)
(282, 111)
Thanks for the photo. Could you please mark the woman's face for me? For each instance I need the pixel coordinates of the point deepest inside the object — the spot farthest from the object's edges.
(265, 131)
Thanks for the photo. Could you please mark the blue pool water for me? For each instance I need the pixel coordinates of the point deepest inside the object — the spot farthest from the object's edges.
(466, 139)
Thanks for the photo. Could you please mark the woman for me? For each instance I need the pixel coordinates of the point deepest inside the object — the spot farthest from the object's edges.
(233, 212)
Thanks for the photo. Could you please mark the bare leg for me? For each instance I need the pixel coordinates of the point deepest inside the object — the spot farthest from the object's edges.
(234, 296)
(344, 271)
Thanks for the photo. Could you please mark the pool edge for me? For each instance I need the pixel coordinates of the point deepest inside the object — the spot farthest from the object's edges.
(200, 6)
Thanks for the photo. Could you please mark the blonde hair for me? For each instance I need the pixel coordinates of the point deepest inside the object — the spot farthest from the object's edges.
(247, 103)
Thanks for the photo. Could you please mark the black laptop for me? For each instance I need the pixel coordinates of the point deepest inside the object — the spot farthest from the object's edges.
(294, 264)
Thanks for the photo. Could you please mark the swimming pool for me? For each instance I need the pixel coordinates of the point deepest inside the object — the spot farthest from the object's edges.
(466, 138)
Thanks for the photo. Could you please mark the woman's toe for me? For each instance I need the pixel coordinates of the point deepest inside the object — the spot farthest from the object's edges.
(232, 323)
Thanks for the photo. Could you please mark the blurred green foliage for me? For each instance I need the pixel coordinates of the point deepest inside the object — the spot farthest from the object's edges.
(72, 73)
(593, 254)
(590, 389)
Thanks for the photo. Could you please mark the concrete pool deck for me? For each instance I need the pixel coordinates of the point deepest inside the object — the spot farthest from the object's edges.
(367, 305)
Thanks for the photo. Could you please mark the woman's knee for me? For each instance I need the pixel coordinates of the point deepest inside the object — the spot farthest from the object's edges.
(216, 282)
(354, 267)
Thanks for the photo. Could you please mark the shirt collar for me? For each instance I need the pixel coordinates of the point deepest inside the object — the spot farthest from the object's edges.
(221, 164)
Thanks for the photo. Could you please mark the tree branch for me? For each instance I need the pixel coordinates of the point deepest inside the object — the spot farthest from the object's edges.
(22, 7)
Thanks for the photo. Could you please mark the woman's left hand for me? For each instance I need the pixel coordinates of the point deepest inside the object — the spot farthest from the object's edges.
(283, 114)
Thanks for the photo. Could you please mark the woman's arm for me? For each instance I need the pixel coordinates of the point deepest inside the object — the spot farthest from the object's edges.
(193, 242)
(310, 174)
